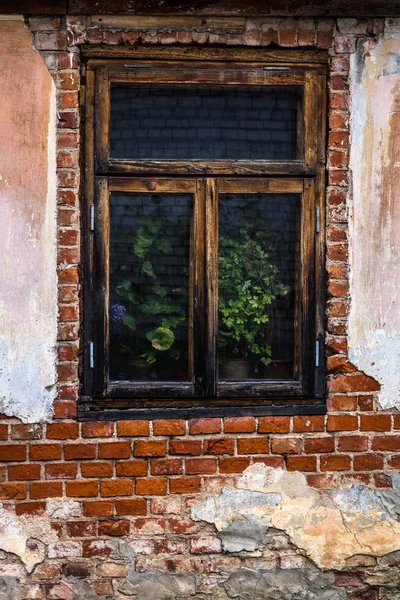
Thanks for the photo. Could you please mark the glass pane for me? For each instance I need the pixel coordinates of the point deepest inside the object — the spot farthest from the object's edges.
(187, 122)
(149, 286)
(258, 249)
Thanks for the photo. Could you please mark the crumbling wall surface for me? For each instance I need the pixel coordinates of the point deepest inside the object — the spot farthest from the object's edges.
(28, 286)
(374, 321)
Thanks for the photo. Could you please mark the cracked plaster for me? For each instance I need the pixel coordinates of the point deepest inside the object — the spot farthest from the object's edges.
(330, 527)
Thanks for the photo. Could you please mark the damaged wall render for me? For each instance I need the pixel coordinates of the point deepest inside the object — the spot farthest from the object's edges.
(28, 286)
(374, 321)
(158, 509)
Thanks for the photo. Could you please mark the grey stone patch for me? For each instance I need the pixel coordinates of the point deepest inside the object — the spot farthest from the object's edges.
(390, 560)
(123, 552)
(281, 585)
(84, 591)
(391, 498)
(158, 586)
(232, 502)
(243, 534)
(10, 587)
(388, 578)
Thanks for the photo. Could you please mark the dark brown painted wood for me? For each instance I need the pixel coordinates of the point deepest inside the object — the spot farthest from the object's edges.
(304, 57)
(38, 7)
(102, 119)
(211, 250)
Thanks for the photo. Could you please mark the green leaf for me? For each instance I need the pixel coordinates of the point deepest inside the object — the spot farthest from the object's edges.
(172, 321)
(159, 290)
(161, 338)
(163, 245)
(147, 268)
(130, 322)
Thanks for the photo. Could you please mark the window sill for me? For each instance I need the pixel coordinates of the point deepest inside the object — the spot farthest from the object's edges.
(114, 409)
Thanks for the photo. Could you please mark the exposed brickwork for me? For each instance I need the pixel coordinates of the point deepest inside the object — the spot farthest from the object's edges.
(141, 477)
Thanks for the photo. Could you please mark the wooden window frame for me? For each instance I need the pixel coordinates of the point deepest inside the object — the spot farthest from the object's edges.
(205, 180)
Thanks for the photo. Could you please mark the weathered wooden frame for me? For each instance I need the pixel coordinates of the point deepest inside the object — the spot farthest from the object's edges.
(202, 395)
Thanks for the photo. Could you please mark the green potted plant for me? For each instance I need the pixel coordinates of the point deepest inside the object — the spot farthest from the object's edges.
(151, 312)
(248, 285)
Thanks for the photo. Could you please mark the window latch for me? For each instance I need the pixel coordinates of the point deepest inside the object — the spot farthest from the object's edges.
(136, 66)
(317, 353)
(91, 356)
(276, 68)
(318, 219)
(92, 217)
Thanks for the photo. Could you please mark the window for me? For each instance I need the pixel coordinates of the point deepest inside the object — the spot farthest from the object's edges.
(204, 186)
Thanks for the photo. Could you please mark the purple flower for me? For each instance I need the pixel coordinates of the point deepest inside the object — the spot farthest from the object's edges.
(117, 313)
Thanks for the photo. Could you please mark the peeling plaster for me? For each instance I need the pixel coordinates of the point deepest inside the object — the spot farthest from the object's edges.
(26, 537)
(28, 281)
(374, 319)
(330, 527)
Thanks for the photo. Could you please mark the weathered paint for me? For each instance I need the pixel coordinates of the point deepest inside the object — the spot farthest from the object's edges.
(330, 527)
(374, 322)
(28, 284)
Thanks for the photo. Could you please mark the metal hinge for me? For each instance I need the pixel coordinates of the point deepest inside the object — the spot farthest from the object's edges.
(318, 220)
(92, 217)
(276, 68)
(317, 353)
(91, 355)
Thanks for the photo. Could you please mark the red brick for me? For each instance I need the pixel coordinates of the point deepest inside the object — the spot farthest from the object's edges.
(239, 425)
(338, 139)
(324, 33)
(336, 309)
(62, 431)
(93, 548)
(22, 432)
(233, 465)
(394, 462)
(166, 466)
(165, 546)
(68, 100)
(67, 352)
(150, 448)
(339, 364)
(68, 119)
(4, 432)
(387, 443)
(151, 486)
(116, 487)
(339, 82)
(375, 422)
(304, 424)
(68, 197)
(12, 491)
(338, 159)
(301, 463)
(45, 452)
(81, 528)
(253, 446)
(169, 427)
(13, 453)
(338, 289)
(67, 139)
(305, 32)
(184, 485)
(97, 469)
(348, 580)
(133, 428)
(132, 468)
(396, 420)
(115, 450)
(322, 481)
(81, 489)
(61, 471)
(342, 403)
(192, 447)
(79, 451)
(68, 332)
(200, 466)
(97, 429)
(382, 480)
(114, 528)
(133, 506)
(335, 463)
(274, 425)
(352, 443)
(3, 473)
(149, 525)
(205, 545)
(45, 489)
(219, 446)
(68, 80)
(67, 372)
(336, 327)
(338, 178)
(269, 33)
(69, 237)
(318, 445)
(30, 508)
(286, 445)
(342, 423)
(337, 270)
(182, 525)
(353, 383)
(368, 462)
(366, 403)
(201, 426)
(96, 508)
(287, 32)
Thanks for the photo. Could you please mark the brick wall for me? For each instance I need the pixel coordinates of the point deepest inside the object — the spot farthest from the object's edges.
(137, 479)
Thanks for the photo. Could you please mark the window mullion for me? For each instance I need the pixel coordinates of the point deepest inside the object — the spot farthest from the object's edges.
(211, 254)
